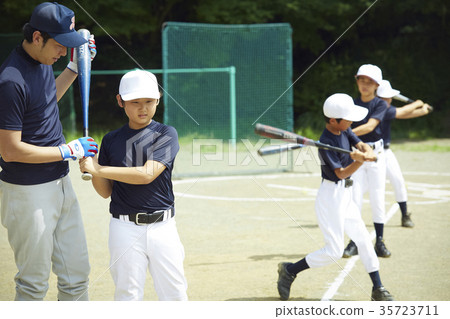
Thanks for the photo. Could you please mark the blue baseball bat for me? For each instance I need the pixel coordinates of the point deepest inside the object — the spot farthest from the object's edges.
(84, 81)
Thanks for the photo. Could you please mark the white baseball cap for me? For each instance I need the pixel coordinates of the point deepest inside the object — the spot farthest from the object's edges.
(371, 71)
(385, 90)
(139, 84)
(341, 106)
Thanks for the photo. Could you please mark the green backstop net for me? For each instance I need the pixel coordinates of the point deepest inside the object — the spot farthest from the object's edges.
(221, 80)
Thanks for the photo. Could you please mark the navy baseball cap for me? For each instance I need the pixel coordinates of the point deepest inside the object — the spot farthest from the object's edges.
(59, 22)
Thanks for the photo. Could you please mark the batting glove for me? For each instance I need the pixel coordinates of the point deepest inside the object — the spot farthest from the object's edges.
(73, 64)
(79, 148)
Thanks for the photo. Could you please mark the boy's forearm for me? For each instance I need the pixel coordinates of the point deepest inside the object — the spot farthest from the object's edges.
(131, 175)
(366, 128)
(348, 171)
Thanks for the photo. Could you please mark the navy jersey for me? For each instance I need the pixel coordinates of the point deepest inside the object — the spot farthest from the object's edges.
(330, 160)
(28, 104)
(377, 108)
(126, 147)
(386, 124)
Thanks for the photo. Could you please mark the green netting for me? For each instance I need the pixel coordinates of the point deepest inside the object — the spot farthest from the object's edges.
(66, 104)
(238, 75)
(199, 104)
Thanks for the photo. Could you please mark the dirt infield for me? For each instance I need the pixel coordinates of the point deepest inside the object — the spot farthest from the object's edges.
(236, 229)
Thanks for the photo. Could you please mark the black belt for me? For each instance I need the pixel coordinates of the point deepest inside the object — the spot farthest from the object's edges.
(144, 218)
(348, 182)
(386, 146)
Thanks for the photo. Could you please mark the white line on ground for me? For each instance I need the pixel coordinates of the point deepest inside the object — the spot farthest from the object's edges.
(332, 290)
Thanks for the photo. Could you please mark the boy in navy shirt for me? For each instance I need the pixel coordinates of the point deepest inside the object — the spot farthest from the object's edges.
(372, 176)
(134, 168)
(393, 171)
(335, 210)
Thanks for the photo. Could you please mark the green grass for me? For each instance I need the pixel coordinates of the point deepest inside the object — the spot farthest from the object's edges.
(435, 145)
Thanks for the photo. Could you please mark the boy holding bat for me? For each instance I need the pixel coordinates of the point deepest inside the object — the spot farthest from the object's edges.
(39, 207)
(134, 168)
(393, 171)
(372, 176)
(335, 210)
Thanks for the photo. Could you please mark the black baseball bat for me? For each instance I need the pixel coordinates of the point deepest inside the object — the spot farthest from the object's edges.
(277, 133)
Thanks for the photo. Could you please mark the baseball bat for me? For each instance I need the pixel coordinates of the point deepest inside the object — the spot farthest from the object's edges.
(402, 98)
(84, 81)
(405, 99)
(277, 133)
(274, 149)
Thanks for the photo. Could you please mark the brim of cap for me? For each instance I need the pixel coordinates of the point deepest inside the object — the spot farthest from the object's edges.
(71, 39)
(357, 114)
(388, 93)
(368, 77)
(140, 95)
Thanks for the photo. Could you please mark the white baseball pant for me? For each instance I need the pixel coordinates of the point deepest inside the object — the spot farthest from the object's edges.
(46, 232)
(371, 176)
(395, 176)
(135, 248)
(337, 214)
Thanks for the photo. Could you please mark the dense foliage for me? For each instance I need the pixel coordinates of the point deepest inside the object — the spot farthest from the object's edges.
(408, 39)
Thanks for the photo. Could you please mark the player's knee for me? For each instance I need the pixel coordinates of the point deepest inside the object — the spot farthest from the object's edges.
(27, 291)
(335, 252)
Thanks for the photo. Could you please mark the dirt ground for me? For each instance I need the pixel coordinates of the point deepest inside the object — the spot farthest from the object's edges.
(236, 229)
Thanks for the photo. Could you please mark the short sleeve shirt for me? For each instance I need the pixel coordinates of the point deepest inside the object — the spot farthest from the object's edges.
(28, 104)
(126, 147)
(377, 108)
(331, 160)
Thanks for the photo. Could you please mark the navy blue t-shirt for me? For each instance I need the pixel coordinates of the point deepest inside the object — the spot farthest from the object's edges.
(28, 104)
(377, 108)
(126, 147)
(330, 160)
(386, 124)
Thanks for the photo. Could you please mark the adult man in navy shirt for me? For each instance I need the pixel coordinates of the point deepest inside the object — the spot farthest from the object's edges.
(38, 205)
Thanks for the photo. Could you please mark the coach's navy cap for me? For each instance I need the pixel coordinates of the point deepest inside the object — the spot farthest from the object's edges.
(59, 22)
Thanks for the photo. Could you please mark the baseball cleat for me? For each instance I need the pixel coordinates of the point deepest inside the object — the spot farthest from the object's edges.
(380, 248)
(350, 250)
(381, 294)
(406, 221)
(285, 280)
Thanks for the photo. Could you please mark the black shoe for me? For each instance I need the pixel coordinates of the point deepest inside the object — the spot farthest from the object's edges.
(380, 248)
(350, 250)
(381, 294)
(406, 221)
(285, 280)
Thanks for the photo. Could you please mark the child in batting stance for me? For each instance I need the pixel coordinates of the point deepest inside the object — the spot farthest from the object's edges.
(335, 210)
(372, 176)
(393, 171)
(135, 168)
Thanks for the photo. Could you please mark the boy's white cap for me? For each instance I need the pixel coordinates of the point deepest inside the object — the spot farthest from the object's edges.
(372, 71)
(139, 84)
(341, 106)
(385, 90)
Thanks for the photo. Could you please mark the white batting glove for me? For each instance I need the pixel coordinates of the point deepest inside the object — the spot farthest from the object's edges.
(73, 64)
(79, 148)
